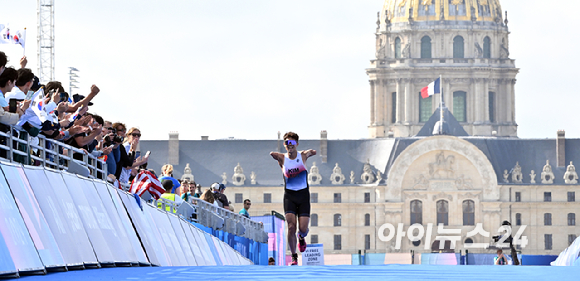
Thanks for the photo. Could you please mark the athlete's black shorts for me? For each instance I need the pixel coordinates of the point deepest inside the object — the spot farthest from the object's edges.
(297, 202)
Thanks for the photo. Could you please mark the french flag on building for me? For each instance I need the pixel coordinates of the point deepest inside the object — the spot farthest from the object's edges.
(433, 88)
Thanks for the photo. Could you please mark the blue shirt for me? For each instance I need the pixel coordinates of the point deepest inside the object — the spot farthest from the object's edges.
(3, 102)
(244, 213)
(176, 183)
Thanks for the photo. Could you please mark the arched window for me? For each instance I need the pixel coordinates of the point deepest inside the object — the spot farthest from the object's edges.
(367, 219)
(426, 47)
(398, 48)
(416, 212)
(518, 219)
(486, 47)
(459, 106)
(337, 220)
(458, 45)
(314, 220)
(571, 219)
(468, 212)
(442, 212)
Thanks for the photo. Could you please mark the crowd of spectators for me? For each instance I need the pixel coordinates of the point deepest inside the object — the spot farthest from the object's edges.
(29, 109)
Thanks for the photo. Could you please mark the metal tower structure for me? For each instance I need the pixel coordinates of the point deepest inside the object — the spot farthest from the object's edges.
(45, 40)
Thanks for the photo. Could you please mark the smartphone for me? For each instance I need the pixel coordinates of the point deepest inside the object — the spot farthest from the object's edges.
(12, 105)
(112, 145)
(147, 154)
(63, 97)
(29, 95)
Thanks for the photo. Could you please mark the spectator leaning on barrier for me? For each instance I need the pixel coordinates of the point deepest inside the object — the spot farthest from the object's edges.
(131, 143)
(197, 193)
(218, 191)
(168, 185)
(244, 212)
(167, 174)
(186, 189)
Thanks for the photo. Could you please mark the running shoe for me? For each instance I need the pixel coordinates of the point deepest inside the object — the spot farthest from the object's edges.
(294, 259)
(301, 244)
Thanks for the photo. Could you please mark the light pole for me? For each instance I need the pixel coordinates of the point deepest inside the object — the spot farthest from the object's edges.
(72, 74)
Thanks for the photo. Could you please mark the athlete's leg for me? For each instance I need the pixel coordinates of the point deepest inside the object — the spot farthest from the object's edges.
(291, 220)
(303, 225)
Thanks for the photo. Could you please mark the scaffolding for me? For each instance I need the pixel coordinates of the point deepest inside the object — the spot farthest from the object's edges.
(45, 40)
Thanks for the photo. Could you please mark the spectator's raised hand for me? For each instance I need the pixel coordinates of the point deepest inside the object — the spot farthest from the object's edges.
(94, 89)
(62, 107)
(25, 105)
(107, 150)
(23, 62)
(77, 129)
(64, 123)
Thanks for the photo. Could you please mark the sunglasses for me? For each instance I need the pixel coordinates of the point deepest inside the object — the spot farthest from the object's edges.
(122, 130)
(290, 142)
(136, 135)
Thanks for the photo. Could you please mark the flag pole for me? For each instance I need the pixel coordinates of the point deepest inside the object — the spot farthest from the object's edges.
(24, 46)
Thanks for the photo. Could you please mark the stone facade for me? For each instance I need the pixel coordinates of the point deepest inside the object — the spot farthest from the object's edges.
(418, 43)
(434, 169)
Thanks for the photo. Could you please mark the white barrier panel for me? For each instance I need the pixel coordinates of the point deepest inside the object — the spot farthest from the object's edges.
(153, 248)
(15, 234)
(182, 239)
(128, 224)
(221, 254)
(94, 230)
(230, 253)
(126, 249)
(195, 249)
(80, 239)
(165, 234)
(55, 217)
(202, 243)
(33, 218)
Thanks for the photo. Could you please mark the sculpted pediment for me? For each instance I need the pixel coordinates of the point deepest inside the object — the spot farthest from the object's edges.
(442, 174)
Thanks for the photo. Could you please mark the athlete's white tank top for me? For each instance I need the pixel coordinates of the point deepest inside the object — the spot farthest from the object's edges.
(295, 173)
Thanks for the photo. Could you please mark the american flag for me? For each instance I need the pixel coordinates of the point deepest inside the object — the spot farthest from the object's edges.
(147, 181)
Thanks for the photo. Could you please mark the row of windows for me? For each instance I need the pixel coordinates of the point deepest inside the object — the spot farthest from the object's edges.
(338, 241)
(548, 196)
(337, 220)
(458, 47)
(239, 197)
(459, 107)
(442, 208)
(548, 219)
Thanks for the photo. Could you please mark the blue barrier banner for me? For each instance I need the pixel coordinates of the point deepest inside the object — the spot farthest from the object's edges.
(182, 239)
(277, 241)
(22, 253)
(126, 221)
(125, 252)
(56, 216)
(203, 245)
(153, 248)
(76, 188)
(33, 217)
(79, 240)
(193, 245)
(165, 234)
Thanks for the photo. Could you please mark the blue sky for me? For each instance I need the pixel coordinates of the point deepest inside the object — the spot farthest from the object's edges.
(248, 69)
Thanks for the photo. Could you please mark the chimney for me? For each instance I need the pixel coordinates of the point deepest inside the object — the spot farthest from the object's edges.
(204, 137)
(561, 148)
(323, 146)
(173, 149)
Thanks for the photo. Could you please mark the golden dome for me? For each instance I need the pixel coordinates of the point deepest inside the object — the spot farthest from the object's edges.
(436, 10)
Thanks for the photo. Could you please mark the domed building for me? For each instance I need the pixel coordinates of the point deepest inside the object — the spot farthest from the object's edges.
(466, 42)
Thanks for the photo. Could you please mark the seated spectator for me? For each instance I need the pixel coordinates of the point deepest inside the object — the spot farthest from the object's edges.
(244, 212)
(167, 174)
(168, 185)
(500, 259)
(271, 261)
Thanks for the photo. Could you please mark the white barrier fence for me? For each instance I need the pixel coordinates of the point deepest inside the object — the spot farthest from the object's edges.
(54, 220)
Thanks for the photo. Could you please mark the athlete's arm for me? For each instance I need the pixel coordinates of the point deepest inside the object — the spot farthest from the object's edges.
(308, 153)
(278, 157)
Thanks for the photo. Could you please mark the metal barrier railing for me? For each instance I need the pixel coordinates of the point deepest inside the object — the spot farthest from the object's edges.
(51, 153)
(210, 215)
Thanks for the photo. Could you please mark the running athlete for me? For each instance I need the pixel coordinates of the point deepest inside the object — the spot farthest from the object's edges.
(296, 192)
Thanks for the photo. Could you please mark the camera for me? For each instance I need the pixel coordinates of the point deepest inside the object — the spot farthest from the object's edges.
(114, 140)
